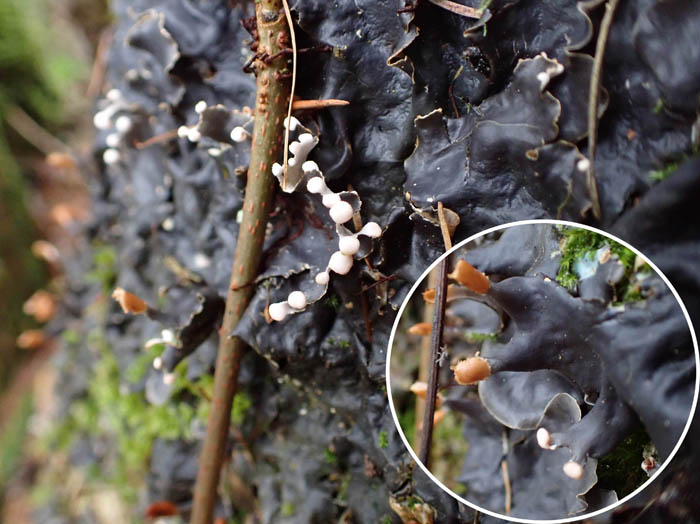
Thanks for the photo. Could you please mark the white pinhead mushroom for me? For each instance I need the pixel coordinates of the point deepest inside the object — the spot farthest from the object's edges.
(322, 278)
(573, 470)
(111, 156)
(277, 169)
(200, 107)
(310, 166)
(214, 151)
(278, 311)
(583, 164)
(330, 199)
(297, 300)
(349, 245)
(169, 378)
(193, 134)
(238, 134)
(341, 212)
(315, 184)
(102, 119)
(372, 230)
(112, 140)
(340, 263)
(292, 122)
(123, 124)
(113, 95)
(157, 363)
(544, 438)
(183, 131)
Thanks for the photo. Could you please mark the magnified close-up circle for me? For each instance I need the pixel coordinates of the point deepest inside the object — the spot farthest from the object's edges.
(565, 372)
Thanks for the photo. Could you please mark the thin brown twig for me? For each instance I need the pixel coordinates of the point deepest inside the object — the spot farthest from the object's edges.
(300, 105)
(157, 139)
(435, 346)
(288, 16)
(456, 8)
(273, 94)
(99, 65)
(32, 132)
(594, 91)
(506, 485)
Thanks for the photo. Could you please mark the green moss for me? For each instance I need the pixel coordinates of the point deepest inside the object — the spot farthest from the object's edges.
(620, 469)
(383, 440)
(407, 419)
(287, 509)
(123, 418)
(333, 301)
(330, 457)
(104, 267)
(479, 337)
(140, 365)
(339, 343)
(386, 520)
(12, 439)
(582, 244)
(662, 174)
(241, 405)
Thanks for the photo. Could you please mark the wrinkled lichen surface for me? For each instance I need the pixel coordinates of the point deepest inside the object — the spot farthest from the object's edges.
(438, 111)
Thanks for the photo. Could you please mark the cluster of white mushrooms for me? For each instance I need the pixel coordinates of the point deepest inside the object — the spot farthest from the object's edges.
(109, 119)
(340, 210)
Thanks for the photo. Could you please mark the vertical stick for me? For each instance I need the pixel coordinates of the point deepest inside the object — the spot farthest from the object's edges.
(270, 107)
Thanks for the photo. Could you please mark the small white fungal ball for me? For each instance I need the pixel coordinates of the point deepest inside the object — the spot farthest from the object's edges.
(238, 134)
(544, 439)
(583, 164)
(102, 120)
(372, 230)
(339, 263)
(297, 300)
(293, 123)
(193, 134)
(322, 278)
(305, 139)
(315, 184)
(114, 95)
(292, 162)
(112, 140)
(348, 245)
(168, 337)
(310, 166)
(157, 363)
(214, 151)
(277, 169)
(278, 311)
(543, 77)
(330, 199)
(200, 107)
(168, 378)
(123, 124)
(294, 148)
(168, 224)
(341, 212)
(111, 156)
(183, 131)
(573, 470)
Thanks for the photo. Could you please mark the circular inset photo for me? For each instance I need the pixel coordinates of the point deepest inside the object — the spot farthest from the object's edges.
(543, 370)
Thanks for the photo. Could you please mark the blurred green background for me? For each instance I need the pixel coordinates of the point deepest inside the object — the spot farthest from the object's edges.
(47, 73)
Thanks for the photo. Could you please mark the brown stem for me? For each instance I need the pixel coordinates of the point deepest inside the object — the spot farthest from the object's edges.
(594, 91)
(426, 437)
(270, 107)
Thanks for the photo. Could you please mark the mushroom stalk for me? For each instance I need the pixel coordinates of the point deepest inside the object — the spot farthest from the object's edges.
(273, 93)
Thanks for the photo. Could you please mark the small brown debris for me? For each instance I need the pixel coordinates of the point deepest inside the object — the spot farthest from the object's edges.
(631, 134)
(161, 508)
(420, 389)
(470, 277)
(422, 328)
(31, 339)
(41, 305)
(472, 370)
(129, 302)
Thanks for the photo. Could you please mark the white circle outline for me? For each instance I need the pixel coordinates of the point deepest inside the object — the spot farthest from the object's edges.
(493, 513)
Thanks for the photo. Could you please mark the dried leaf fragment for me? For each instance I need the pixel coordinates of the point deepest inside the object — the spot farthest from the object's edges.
(422, 328)
(470, 277)
(129, 302)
